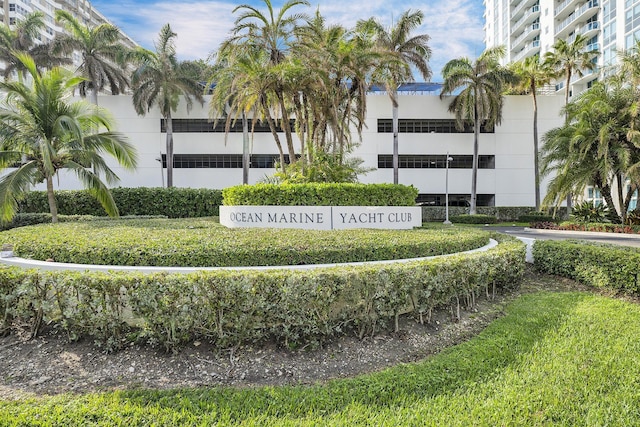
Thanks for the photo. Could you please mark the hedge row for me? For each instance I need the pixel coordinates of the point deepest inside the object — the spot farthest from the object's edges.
(320, 194)
(590, 226)
(203, 242)
(233, 307)
(26, 219)
(502, 213)
(474, 219)
(604, 266)
(170, 202)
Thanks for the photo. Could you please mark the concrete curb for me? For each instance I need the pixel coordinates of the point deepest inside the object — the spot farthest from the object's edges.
(588, 233)
(59, 266)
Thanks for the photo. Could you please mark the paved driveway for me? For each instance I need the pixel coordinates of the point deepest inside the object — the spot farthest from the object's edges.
(530, 233)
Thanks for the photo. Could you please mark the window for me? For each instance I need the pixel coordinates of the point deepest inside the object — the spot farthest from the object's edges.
(426, 126)
(417, 161)
(204, 126)
(460, 200)
(221, 161)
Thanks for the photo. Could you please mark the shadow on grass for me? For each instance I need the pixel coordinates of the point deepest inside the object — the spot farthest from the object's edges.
(504, 343)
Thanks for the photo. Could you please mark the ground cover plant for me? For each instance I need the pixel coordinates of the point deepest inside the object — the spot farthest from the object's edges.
(567, 358)
(204, 242)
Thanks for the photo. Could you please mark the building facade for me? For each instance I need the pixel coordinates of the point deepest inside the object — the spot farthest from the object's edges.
(16, 10)
(531, 27)
(427, 133)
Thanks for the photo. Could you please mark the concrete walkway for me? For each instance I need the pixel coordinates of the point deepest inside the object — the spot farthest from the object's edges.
(57, 266)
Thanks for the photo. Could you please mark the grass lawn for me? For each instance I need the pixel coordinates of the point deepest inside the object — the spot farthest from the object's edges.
(555, 358)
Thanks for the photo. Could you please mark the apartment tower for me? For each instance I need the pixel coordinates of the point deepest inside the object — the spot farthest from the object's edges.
(531, 27)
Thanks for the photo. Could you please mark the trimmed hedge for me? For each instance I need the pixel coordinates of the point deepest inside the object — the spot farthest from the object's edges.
(502, 213)
(473, 219)
(604, 266)
(535, 218)
(233, 307)
(26, 219)
(203, 242)
(320, 194)
(171, 202)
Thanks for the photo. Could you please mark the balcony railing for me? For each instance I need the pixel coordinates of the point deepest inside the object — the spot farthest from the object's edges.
(561, 6)
(534, 9)
(528, 50)
(571, 18)
(527, 33)
(590, 26)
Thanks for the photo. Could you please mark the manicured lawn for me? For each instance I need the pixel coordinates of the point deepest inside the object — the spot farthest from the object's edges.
(554, 359)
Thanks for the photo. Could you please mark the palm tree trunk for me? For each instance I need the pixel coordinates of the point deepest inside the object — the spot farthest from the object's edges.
(274, 132)
(396, 162)
(245, 149)
(536, 156)
(566, 122)
(53, 206)
(286, 127)
(474, 170)
(169, 123)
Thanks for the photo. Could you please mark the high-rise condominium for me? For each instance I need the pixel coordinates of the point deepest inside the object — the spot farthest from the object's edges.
(530, 27)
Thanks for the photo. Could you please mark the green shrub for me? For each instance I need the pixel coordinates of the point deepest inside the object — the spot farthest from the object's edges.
(536, 217)
(170, 202)
(25, 219)
(474, 219)
(588, 212)
(229, 307)
(503, 213)
(205, 243)
(604, 266)
(314, 194)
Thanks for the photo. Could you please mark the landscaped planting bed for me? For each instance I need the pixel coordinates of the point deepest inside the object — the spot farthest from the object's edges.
(205, 243)
(228, 308)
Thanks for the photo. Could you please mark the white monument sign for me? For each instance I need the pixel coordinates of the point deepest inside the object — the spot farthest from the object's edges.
(322, 217)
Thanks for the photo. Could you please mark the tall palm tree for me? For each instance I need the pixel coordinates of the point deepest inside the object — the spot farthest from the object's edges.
(272, 32)
(594, 147)
(567, 59)
(533, 74)
(400, 51)
(41, 133)
(102, 53)
(161, 80)
(23, 39)
(481, 84)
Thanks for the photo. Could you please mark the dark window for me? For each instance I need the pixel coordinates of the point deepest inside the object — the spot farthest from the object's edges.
(426, 126)
(222, 161)
(207, 126)
(411, 161)
(460, 200)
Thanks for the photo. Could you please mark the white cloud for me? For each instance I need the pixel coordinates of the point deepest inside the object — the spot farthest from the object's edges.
(455, 26)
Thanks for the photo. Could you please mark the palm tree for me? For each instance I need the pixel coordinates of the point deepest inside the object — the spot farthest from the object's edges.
(22, 39)
(594, 148)
(102, 54)
(271, 32)
(533, 74)
(42, 133)
(568, 59)
(161, 80)
(480, 100)
(400, 51)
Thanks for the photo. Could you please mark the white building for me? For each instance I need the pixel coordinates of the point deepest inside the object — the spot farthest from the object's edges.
(427, 134)
(16, 10)
(531, 27)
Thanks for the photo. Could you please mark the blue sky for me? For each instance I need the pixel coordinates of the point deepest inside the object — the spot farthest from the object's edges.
(455, 26)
